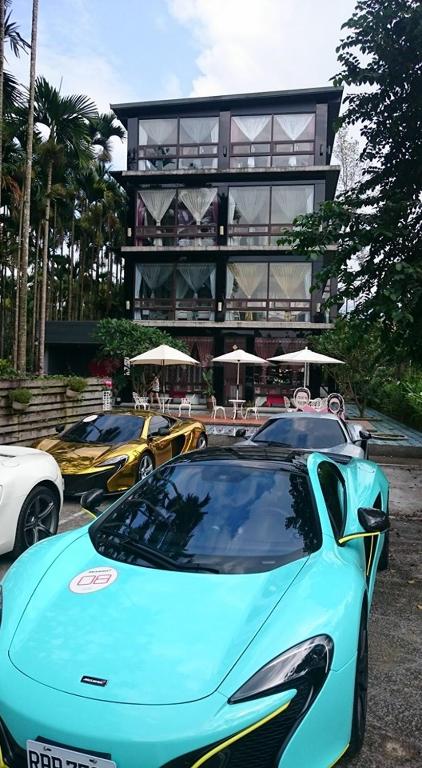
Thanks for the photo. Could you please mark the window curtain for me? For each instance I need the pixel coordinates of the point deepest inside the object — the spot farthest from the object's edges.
(205, 349)
(293, 280)
(293, 126)
(197, 201)
(289, 202)
(266, 347)
(155, 275)
(157, 202)
(199, 130)
(196, 275)
(160, 131)
(252, 126)
(251, 202)
(248, 277)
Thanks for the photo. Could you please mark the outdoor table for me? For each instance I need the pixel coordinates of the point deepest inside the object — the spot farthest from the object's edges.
(237, 408)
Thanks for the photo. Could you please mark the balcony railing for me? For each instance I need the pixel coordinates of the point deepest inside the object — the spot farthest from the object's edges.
(204, 234)
(286, 310)
(174, 309)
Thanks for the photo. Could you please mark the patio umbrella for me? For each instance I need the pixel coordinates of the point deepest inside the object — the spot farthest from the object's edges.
(306, 357)
(163, 355)
(240, 357)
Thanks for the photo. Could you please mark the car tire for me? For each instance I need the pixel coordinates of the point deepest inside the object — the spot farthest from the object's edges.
(360, 697)
(38, 518)
(202, 442)
(146, 465)
(385, 554)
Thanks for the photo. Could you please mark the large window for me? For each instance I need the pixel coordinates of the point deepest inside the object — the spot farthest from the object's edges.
(261, 141)
(257, 215)
(262, 291)
(177, 217)
(184, 291)
(171, 143)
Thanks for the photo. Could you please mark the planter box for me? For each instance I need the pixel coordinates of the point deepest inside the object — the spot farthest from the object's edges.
(72, 395)
(19, 406)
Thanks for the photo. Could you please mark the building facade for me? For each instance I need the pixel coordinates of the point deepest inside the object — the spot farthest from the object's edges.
(212, 183)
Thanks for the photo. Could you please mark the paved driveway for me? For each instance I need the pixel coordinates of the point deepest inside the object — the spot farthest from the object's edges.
(394, 731)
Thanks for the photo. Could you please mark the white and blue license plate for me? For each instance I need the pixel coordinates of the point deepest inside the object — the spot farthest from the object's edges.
(41, 755)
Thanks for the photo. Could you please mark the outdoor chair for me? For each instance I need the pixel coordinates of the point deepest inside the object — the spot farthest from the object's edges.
(259, 401)
(216, 408)
(301, 397)
(185, 403)
(164, 403)
(140, 402)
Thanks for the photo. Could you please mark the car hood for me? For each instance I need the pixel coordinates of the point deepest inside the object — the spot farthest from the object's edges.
(155, 637)
(76, 457)
(344, 449)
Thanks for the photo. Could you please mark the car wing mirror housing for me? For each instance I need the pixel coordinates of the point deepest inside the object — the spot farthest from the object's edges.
(373, 520)
(59, 428)
(90, 500)
(162, 431)
(240, 432)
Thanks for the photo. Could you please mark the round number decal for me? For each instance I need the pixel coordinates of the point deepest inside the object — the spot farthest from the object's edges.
(93, 580)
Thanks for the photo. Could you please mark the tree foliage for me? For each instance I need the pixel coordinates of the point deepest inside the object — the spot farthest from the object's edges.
(363, 354)
(123, 338)
(379, 218)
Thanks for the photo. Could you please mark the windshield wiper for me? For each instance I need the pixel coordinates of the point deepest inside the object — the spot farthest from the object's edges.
(271, 443)
(198, 567)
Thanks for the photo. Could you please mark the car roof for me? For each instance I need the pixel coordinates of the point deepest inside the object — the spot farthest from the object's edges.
(292, 459)
(304, 415)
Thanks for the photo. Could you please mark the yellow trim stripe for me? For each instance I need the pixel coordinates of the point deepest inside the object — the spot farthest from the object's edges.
(370, 557)
(2, 763)
(91, 514)
(357, 536)
(238, 736)
(339, 757)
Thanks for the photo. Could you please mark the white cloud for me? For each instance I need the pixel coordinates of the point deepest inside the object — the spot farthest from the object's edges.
(259, 45)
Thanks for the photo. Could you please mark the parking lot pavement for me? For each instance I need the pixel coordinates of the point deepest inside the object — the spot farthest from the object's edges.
(394, 727)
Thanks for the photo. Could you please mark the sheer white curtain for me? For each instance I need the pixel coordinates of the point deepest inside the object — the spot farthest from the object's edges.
(248, 277)
(289, 202)
(155, 275)
(197, 201)
(251, 202)
(157, 202)
(196, 275)
(252, 126)
(293, 280)
(293, 126)
(199, 130)
(159, 131)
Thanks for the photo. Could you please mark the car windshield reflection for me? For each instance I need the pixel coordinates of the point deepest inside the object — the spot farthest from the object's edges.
(301, 432)
(234, 517)
(105, 430)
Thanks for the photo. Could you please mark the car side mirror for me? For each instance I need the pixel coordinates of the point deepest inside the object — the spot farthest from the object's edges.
(90, 500)
(240, 432)
(162, 431)
(59, 428)
(373, 520)
(364, 435)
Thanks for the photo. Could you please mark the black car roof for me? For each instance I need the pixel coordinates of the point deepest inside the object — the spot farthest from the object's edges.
(292, 459)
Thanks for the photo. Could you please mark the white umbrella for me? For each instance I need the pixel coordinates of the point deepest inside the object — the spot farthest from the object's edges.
(240, 357)
(163, 355)
(305, 357)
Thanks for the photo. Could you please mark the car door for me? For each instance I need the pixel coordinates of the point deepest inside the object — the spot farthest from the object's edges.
(160, 444)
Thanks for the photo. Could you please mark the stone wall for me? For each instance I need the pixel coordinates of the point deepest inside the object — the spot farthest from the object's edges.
(49, 406)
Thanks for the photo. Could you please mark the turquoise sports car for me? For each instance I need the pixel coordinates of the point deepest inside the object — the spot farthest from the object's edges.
(215, 615)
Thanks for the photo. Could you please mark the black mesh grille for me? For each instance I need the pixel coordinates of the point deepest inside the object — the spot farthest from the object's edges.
(13, 755)
(260, 748)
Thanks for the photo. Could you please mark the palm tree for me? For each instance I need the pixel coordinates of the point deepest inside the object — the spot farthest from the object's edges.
(66, 119)
(23, 283)
(103, 128)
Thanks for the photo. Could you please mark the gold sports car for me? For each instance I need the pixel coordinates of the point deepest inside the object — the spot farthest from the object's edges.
(112, 451)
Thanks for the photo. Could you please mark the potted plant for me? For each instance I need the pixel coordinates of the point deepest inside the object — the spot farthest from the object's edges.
(75, 385)
(20, 399)
(207, 377)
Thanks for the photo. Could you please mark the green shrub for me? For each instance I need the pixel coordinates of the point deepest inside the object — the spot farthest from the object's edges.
(401, 398)
(23, 396)
(6, 370)
(76, 383)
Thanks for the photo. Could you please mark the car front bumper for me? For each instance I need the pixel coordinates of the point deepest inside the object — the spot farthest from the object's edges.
(179, 736)
(76, 485)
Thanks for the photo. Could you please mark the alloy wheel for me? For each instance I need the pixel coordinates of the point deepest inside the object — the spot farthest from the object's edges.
(39, 517)
(202, 442)
(146, 466)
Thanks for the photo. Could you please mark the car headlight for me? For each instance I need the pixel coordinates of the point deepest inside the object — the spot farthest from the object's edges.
(114, 461)
(309, 662)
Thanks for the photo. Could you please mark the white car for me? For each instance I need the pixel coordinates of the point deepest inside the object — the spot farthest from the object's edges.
(31, 497)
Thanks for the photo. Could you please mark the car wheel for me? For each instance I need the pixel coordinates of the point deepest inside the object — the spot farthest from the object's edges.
(38, 519)
(146, 466)
(361, 690)
(202, 442)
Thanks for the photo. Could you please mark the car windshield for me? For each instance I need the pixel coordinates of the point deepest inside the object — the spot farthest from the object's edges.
(105, 429)
(226, 516)
(301, 432)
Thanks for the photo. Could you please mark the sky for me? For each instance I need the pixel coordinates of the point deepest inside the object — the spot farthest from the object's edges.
(133, 50)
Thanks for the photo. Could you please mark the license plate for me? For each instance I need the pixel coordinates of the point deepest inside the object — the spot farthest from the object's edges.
(49, 756)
